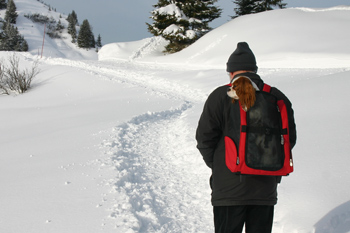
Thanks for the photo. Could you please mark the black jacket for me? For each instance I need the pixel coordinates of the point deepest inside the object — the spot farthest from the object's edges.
(228, 188)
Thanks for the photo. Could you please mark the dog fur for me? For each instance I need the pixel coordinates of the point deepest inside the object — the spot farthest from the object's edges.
(242, 89)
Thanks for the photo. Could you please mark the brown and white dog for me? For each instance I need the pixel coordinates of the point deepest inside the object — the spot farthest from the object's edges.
(243, 89)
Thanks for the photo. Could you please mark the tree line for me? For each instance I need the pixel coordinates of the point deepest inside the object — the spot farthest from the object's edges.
(11, 40)
(182, 22)
(85, 37)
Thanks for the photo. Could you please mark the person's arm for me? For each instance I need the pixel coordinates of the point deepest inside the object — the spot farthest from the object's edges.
(209, 130)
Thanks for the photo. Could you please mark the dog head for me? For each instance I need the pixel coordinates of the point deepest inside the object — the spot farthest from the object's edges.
(243, 89)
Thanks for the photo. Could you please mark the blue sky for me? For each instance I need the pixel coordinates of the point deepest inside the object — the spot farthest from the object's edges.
(125, 20)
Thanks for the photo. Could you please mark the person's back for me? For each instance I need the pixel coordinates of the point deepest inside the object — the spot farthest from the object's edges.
(238, 199)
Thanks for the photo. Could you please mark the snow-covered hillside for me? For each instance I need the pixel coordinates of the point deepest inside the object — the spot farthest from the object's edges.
(288, 38)
(105, 142)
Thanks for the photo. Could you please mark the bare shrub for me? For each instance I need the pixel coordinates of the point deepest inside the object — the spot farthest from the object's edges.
(12, 79)
(3, 86)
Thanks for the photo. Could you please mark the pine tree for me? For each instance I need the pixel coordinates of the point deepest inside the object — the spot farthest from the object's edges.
(244, 7)
(266, 5)
(9, 37)
(72, 22)
(86, 37)
(3, 4)
(11, 40)
(162, 20)
(255, 6)
(92, 40)
(73, 18)
(24, 45)
(202, 13)
(73, 33)
(99, 42)
(11, 14)
(182, 22)
(59, 26)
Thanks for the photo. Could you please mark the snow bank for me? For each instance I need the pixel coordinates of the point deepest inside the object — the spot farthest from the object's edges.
(287, 38)
(149, 47)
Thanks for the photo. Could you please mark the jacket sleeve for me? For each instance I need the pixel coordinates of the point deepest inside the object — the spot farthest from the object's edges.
(209, 130)
(291, 120)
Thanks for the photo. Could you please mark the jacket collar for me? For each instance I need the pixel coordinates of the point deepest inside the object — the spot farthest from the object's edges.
(254, 77)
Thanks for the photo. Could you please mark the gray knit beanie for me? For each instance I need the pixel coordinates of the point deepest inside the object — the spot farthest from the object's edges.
(242, 59)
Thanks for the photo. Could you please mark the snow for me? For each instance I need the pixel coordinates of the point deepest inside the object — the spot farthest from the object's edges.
(173, 29)
(153, 46)
(171, 9)
(277, 43)
(105, 142)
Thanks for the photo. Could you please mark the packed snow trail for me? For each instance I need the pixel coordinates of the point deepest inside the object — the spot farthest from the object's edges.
(156, 180)
(142, 75)
(158, 187)
(161, 182)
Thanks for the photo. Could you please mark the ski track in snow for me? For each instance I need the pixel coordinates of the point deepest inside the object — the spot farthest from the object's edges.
(136, 74)
(147, 48)
(151, 155)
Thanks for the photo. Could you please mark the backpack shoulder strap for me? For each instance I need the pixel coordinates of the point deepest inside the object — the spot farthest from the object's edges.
(267, 88)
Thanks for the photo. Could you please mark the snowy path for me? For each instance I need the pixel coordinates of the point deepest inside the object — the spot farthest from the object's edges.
(158, 188)
(115, 141)
(135, 167)
(151, 77)
(160, 181)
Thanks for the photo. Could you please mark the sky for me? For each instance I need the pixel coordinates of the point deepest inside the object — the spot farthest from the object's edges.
(117, 20)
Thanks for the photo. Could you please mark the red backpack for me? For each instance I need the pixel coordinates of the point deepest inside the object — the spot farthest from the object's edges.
(263, 147)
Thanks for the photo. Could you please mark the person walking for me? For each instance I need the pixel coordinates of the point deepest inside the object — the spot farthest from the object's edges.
(238, 200)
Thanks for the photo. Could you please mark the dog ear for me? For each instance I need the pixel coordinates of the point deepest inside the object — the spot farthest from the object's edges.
(245, 92)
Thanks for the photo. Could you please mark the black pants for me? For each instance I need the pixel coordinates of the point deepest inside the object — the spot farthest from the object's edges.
(230, 219)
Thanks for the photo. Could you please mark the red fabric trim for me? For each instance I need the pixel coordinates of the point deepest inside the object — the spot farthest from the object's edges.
(242, 138)
(267, 88)
(288, 160)
(230, 154)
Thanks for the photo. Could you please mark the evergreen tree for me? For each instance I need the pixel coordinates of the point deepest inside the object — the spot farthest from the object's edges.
(9, 37)
(266, 5)
(59, 26)
(244, 7)
(255, 6)
(182, 22)
(92, 40)
(99, 42)
(11, 40)
(86, 37)
(72, 22)
(73, 33)
(24, 45)
(73, 18)
(11, 14)
(3, 4)
(201, 12)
